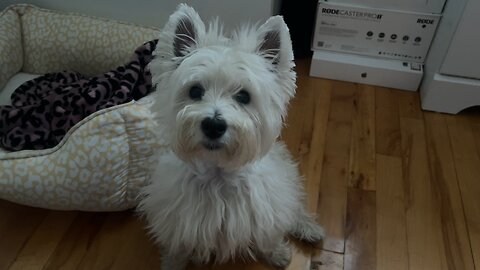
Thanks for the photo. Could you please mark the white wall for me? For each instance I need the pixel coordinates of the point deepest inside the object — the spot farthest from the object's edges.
(155, 12)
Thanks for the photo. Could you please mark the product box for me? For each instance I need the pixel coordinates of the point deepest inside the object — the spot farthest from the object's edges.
(366, 70)
(429, 6)
(380, 33)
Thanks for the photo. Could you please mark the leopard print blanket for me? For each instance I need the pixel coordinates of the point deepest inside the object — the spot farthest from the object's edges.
(45, 108)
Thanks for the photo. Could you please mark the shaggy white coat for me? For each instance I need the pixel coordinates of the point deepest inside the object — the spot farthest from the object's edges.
(244, 198)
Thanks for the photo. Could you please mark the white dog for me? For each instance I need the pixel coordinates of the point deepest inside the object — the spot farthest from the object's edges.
(226, 189)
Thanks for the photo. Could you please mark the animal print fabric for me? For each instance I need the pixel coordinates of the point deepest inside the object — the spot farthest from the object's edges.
(102, 162)
(11, 53)
(100, 165)
(44, 109)
(55, 41)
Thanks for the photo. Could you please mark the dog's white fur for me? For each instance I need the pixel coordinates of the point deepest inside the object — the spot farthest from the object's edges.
(244, 198)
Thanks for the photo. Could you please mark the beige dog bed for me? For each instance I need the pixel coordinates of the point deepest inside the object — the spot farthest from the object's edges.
(101, 163)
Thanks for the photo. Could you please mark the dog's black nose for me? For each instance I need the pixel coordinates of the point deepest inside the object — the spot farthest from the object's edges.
(214, 128)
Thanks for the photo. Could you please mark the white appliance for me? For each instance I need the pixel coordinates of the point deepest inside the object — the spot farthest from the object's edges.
(363, 41)
(452, 69)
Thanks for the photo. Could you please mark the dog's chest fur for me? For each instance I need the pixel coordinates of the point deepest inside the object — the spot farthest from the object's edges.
(207, 212)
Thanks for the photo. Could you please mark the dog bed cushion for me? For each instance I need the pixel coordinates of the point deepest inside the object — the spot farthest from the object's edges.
(44, 109)
(102, 161)
(99, 165)
(14, 82)
(11, 51)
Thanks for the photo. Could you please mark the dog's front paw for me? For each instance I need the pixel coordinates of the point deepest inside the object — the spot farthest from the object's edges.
(314, 235)
(308, 231)
(279, 258)
(174, 263)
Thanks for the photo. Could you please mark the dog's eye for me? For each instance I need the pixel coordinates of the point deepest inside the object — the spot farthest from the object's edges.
(196, 92)
(242, 97)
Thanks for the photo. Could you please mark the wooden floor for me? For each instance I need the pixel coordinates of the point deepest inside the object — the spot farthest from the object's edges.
(394, 187)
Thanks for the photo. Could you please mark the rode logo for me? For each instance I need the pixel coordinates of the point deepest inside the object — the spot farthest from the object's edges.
(352, 13)
(425, 21)
(330, 11)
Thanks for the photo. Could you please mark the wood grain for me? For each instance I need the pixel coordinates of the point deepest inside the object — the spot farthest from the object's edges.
(17, 224)
(305, 135)
(409, 105)
(362, 145)
(136, 244)
(43, 242)
(104, 250)
(333, 185)
(392, 249)
(394, 187)
(467, 162)
(332, 203)
(361, 245)
(76, 241)
(444, 178)
(314, 163)
(339, 128)
(424, 235)
(387, 124)
(326, 260)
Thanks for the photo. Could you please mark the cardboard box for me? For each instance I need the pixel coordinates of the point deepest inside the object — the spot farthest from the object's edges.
(380, 33)
(430, 6)
(367, 70)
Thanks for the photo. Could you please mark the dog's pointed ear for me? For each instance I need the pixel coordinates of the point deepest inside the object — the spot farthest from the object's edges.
(184, 28)
(274, 43)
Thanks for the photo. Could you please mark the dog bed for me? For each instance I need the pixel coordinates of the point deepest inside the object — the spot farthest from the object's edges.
(101, 162)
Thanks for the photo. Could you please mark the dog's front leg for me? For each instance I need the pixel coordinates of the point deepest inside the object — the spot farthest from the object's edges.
(307, 230)
(279, 257)
(174, 262)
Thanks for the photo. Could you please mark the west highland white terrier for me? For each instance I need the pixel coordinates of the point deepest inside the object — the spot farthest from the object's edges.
(227, 188)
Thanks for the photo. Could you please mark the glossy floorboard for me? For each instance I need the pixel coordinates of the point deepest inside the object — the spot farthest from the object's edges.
(395, 188)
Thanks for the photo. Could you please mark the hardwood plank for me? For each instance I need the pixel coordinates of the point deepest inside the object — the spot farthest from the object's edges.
(360, 245)
(476, 134)
(392, 250)
(76, 241)
(333, 184)
(362, 145)
(105, 249)
(40, 247)
(298, 125)
(312, 165)
(326, 260)
(467, 162)
(339, 127)
(327, 132)
(305, 136)
(137, 250)
(409, 105)
(301, 259)
(444, 177)
(387, 123)
(17, 223)
(332, 203)
(426, 249)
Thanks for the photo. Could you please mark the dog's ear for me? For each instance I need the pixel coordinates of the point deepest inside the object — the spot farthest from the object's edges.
(274, 43)
(184, 28)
